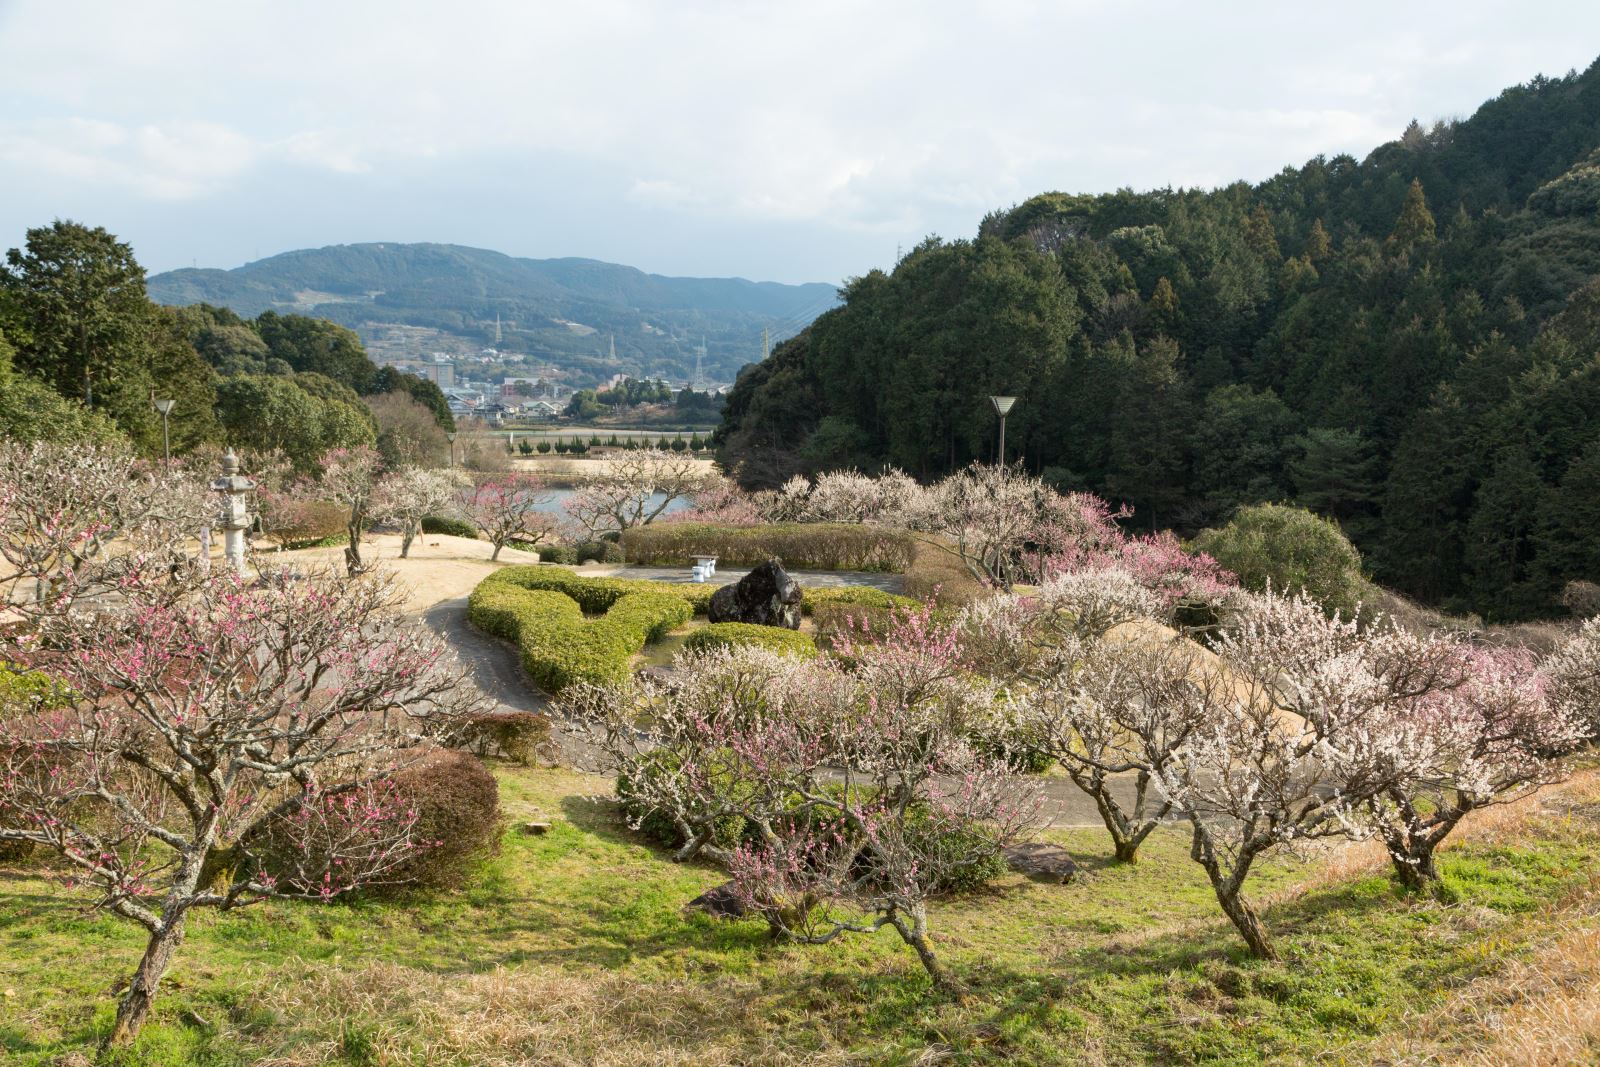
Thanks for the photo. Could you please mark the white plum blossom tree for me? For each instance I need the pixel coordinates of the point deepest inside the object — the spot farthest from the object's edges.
(409, 495)
(635, 488)
(857, 775)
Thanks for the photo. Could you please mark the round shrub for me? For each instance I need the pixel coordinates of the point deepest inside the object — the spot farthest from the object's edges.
(23, 692)
(657, 825)
(1292, 550)
(600, 551)
(563, 554)
(457, 805)
(444, 524)
(458, 818)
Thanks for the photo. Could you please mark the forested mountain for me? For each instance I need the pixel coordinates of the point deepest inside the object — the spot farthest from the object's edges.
(562, 310)
(84, 353)
(1405, 343)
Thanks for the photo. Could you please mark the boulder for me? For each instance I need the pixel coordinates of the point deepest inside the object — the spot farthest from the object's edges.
(721, 902)
(767, 596)
(1041, 861)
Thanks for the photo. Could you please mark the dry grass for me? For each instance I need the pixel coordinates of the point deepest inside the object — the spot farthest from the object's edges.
(504, 1018)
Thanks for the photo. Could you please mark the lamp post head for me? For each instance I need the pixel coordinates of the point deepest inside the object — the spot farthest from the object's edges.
(163, 407)
(1002, 404)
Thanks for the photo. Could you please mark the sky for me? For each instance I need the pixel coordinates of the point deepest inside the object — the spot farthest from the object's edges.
(775, 141)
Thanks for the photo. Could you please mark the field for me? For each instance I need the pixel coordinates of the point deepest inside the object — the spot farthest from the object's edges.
(573, 947)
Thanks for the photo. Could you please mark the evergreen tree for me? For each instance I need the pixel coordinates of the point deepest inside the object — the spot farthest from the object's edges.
(1415, 224)
(1318, 245)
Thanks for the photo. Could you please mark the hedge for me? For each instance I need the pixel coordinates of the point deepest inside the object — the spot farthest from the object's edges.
(808, 546)
(864, 596)
(543, 609)
(772, 638)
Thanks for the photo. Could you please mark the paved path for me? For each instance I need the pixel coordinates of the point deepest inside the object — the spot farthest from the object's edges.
(498, 672)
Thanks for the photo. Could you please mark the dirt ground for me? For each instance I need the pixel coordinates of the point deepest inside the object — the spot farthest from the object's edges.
(439, 567)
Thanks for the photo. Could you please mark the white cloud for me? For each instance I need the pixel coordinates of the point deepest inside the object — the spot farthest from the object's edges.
(855, 123)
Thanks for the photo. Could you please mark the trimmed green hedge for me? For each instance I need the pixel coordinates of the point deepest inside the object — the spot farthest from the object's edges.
(549, 613)
(860, 595)
(807, 546)
(772, 638)
(542, 609)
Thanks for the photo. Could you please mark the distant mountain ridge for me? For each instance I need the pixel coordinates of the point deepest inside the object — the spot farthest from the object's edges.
(565, 311)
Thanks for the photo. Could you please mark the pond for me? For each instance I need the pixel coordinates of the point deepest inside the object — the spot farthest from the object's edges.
(558, 498)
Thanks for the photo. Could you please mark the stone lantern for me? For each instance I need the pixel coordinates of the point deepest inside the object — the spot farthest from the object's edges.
(235, 516)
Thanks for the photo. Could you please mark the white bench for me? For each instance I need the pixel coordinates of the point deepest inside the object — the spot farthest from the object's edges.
(704, 567)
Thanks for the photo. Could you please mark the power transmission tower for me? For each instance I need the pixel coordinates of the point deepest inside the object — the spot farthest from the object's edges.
(766, 344)
(497, 329)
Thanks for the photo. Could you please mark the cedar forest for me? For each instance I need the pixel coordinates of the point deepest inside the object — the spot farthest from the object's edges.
(1405, 344)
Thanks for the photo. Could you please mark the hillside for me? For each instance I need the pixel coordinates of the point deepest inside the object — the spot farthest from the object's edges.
(565, 311)
(1404, 343)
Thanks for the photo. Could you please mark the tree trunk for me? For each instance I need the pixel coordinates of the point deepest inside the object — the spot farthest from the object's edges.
(1413, 862)
(498, 545)
(915, 934)
(1247, 922)
(1127, 849)
(135, 1005)
(407, 535)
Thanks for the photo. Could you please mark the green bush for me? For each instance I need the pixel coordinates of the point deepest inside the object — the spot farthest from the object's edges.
(938, 574)
(806, 546)
(660, 828)
(600, 551)
(862, 596)
(444, 524)
(519, 736)
(563, 554)
(731, 634)
(1293, 550)
(543, 610)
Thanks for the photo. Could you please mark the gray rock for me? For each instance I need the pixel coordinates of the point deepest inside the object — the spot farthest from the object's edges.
(1039, 860)
(767, 596)
(720, 902)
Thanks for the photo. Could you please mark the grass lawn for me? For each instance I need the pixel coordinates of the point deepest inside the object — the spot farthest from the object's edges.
(573, 948)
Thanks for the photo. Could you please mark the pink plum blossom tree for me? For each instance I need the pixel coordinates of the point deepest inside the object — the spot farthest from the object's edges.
(510, 507)
(220, 743)
(1482, 729)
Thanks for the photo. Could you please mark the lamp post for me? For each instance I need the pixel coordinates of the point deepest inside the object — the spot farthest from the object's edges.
(165, 408)
(452, 438)
(1002, 404)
